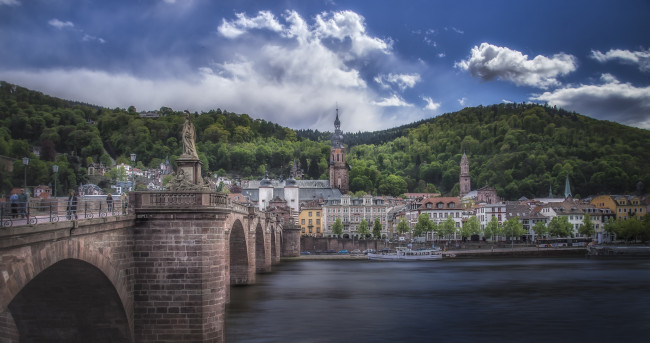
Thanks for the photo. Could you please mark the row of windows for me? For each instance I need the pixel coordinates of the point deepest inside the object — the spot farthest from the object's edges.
(356, 210)
(630, 210)
(302, 222)
(317, 213)
(356, 219)
(310, 230)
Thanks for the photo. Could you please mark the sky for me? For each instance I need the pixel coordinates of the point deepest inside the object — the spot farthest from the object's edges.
(381, 63)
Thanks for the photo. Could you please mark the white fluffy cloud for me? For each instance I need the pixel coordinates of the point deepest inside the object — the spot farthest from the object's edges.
(263, 20)
(489, 62)
(611, 100)
(402, 81)
(431, 105)
(394, 101)
(639, 58)
(60, 24)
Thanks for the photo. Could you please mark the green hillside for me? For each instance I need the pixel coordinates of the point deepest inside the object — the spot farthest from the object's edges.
(519, 149)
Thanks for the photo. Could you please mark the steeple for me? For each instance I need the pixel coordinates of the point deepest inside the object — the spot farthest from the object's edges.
(337, 122)
(550, 191)
(567, 188)
(464, 181)
(338, 166)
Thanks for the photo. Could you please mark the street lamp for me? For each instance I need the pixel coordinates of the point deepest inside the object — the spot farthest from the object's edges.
(25, 163)
(55, 169)
(133, 170)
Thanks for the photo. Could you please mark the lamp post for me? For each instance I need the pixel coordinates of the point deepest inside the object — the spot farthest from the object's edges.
(55, 169)
(133, 170)
(25, 163)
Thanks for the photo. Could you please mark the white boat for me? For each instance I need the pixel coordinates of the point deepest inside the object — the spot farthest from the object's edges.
(405, 254)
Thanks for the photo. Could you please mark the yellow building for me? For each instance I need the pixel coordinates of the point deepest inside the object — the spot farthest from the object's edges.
(310, 219)
(623, 206)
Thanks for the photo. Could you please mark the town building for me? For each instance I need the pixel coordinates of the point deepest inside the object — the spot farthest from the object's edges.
(310, 220)
(438, 209)
(623, 206)
(351, 211)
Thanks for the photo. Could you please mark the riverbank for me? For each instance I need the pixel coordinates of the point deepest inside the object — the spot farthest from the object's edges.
(469, 253)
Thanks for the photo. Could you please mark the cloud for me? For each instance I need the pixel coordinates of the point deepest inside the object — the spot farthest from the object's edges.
(89, 38)
(60, 24)
(638, 58)
(402, 81)
(280, 68)
(9, 2)
(462, 101)
(611, 100)
(431, 105)
(263, 20)
(505, 101)
(489, 62)
(394, 101)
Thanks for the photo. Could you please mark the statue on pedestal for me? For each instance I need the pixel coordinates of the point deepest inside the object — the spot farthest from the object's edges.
(189, 148)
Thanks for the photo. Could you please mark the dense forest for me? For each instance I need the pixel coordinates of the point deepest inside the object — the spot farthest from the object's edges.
(520, 149)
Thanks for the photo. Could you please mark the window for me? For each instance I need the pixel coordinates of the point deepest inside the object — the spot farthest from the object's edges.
(310, 213)
(317, 221)
(302, 222)
(310, 222)
(318, 214)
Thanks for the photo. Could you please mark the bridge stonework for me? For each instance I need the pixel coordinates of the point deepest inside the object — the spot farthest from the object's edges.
(162, 274)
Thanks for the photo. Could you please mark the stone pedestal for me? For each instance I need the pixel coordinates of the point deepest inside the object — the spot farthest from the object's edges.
(191, 167)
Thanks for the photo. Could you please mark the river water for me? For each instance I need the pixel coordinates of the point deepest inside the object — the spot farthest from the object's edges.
(493, 300)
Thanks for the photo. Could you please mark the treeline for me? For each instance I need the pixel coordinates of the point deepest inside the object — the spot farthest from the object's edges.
(520, 149)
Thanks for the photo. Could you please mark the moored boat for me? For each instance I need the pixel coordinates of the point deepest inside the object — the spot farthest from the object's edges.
(405, 254)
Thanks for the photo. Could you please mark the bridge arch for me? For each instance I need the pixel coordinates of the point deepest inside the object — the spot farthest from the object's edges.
(238, 255)
(47, 283)
(260, 249)
(70, 301)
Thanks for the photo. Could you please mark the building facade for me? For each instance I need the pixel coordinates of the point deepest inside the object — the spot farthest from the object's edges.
(309, 220)
(352, 211)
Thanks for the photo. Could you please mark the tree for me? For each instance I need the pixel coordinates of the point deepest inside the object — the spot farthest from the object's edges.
(403, 227)
(363, 229)
(471, 227)
(587, 227)
(376, 229)
(448, 227)
(422, 226)
(117, 174)
(540, 229)
(513, 228)
(493, 229)
(559, 227)
(337, 228)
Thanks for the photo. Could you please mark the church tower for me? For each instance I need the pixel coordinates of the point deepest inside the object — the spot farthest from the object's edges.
(464, 181)
(338, 167)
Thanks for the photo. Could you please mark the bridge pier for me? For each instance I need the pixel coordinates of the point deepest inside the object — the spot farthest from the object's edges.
(180, 280)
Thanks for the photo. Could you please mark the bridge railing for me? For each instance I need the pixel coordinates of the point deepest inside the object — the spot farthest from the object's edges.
(161, 201)
(51, 210)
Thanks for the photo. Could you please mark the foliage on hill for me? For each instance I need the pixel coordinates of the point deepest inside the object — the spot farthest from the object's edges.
(518, 149)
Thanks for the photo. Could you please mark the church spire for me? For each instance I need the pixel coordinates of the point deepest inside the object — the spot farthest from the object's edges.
(567, 187)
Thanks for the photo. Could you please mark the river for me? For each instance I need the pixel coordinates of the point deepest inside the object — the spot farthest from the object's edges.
(492, 300)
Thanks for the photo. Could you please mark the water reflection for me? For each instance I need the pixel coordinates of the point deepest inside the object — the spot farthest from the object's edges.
(503, 300)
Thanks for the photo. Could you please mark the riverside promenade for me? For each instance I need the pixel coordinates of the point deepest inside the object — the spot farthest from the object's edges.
(469, 253)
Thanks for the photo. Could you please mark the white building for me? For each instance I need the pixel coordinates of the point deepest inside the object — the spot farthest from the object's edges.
(352, 211)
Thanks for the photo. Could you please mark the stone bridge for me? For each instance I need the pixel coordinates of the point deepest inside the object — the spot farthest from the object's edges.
(161, 273)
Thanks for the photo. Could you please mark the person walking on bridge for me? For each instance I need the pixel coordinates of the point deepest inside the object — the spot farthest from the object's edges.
(72, 205)
(22, 202)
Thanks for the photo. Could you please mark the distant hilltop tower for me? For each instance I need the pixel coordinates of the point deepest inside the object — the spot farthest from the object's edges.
(464, 181)
(338, 167)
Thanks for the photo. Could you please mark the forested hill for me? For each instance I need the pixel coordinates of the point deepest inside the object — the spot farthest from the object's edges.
(519, 149)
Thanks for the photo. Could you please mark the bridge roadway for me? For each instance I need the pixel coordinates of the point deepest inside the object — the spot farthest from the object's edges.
(159, 274)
